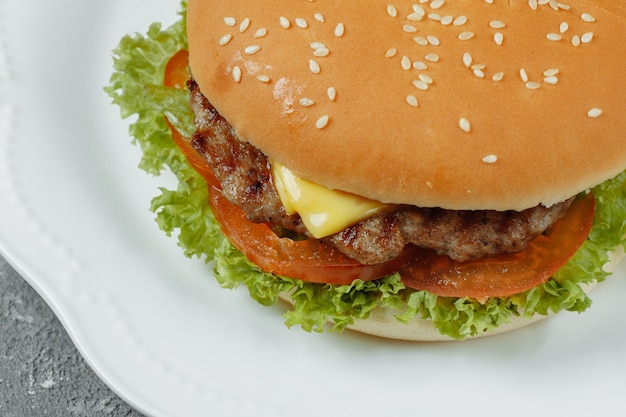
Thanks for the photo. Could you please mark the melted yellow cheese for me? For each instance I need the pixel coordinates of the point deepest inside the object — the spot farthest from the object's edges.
(323, 211)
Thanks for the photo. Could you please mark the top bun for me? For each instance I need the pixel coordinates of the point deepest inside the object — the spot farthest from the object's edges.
(484, 104)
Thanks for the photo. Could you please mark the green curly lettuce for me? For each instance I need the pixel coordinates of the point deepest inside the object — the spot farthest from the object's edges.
(136, 86)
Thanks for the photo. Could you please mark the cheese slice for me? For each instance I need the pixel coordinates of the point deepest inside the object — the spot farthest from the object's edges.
(323, 211)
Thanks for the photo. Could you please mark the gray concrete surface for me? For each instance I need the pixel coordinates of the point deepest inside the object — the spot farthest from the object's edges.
(41, 372)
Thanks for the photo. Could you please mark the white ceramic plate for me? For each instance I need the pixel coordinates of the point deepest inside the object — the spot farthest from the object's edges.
(74, 221)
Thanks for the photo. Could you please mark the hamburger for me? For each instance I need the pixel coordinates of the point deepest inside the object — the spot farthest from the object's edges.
(417, 170)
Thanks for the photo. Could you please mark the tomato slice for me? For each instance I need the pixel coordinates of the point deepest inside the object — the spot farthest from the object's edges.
(177, 70)
(508, 274)
(422, 269)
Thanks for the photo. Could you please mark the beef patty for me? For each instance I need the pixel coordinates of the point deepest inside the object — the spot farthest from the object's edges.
(244, 173)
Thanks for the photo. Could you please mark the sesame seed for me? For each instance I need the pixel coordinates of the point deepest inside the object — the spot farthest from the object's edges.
(306, 102)
(317, 45)
(392, 11)
(412, 100)
(532, 4)
(409, 28)
(260, 33)
(436, 4)
(339, 30)
(263, 78)
(532, 85)
(552, 80)
(550, 72)
(446, 20)
(321, 52)
(523, 75)
(225, 39)
(594, 113)
(467, 59)
(459, 21)
(465, 36)
(419, 9)
(319, 17)
(301, 23)
(478, 72)
(498, 38)
(314, 66)
(586, 37)
(563, 27)
(420, 85)
(434, 17)
(498, 76)
(586, 17)
(405, 63)
(464, 124)
(421, 40)
(496, 24)
(322, 122)
(237, 74)
(575, 40)
(433, 40)
(245, 24)
(415, 17)
(490, 159)
(432, 57)
(230, 21)
(284, 22)
(554, 37)
(426, 78)
(391, 52)
(420, 66)
(252, 49)
(332, 93)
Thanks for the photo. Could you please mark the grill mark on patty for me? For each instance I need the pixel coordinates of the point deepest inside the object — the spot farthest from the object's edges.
(245, 175)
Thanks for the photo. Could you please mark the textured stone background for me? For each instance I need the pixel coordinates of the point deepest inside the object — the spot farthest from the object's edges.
(41, 372)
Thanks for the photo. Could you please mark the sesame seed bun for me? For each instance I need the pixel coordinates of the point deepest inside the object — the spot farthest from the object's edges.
(466, 105)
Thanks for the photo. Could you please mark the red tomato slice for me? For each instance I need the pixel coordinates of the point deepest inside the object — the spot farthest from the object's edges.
(313, 261)
(177, 70)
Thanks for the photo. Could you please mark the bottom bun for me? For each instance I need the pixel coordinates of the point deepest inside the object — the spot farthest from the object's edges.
(382, 323)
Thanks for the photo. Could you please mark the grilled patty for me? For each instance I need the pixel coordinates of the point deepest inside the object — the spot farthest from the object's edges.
(245, 175)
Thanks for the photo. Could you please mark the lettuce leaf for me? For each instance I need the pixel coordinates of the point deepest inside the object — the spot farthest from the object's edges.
(136, 87)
